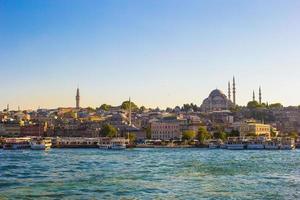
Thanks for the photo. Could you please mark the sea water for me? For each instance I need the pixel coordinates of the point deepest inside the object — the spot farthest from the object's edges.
(149, 174)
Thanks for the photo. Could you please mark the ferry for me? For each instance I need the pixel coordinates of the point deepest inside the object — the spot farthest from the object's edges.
(16, 143)
(272, 145)
(41, 143)
(235, 144)
(256, 143)
(113, 144)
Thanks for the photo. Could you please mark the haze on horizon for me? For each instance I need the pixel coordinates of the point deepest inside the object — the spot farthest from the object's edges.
(160, 53)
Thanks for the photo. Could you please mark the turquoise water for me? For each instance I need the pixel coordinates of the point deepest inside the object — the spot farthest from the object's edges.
(149, 174)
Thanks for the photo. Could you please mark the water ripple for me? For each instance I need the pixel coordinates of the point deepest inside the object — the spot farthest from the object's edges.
(149, 174)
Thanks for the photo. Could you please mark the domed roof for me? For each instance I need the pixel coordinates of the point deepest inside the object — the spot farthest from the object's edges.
(216, 92)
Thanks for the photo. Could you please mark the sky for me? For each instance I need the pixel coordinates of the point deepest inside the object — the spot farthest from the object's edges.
(161, 53)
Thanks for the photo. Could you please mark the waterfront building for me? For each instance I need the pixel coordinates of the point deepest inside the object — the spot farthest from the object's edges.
(166, 129)
(11, 128)
(252, 128)
(33, 130)
(216, 101)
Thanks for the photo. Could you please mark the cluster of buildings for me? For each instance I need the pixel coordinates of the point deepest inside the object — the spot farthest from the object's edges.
(217, 110)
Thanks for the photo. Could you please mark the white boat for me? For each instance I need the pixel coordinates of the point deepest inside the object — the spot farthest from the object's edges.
(114, 143)
(213, 146)
(40, 144)
(272, 145)
(16, 143)
(287, 143)
(235, 144)
(253, 145)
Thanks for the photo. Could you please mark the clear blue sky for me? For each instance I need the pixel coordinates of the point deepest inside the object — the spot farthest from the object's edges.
(159, 52)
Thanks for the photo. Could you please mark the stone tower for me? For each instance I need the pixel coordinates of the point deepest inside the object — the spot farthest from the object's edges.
(77, 99)
(260, 98)
(229, 91)
(253, 96)
(233, 92)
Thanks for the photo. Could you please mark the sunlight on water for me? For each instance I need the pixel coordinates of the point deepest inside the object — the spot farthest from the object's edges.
(149, 174)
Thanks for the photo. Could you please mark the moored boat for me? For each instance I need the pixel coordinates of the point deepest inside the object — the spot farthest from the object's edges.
(16, 143)
(235, 144)
(287, 143)
(256, 143)
(40, 143)
(113, 143)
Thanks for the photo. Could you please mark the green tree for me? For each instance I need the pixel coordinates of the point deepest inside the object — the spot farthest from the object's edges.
(273, 132)
(105, 107)
(142, 108)
(233, 133)
(125, 106)
(90, 109)
(220, 135)
(252, 104)
(108, 130)
(148, 132)
(132, 137)
(203, 134)
(293, 134)
(276, 105)
(188, 135)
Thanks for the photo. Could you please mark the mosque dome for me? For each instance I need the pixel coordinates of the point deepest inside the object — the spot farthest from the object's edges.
(216, 93)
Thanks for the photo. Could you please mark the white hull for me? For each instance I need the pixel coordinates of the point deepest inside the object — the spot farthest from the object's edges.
(271, 147)
(39, 147)
(15, 146)
(235, 146)
(255, 146)
(118, 147)
(287, 147)
(213, 146)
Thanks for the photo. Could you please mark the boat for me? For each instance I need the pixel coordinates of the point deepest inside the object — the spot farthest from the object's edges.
(287, 143)
(41, 143)
(272, 145)
(235, 144)
(112, 143)
(16, 143)
(256, 143)
(214, 144)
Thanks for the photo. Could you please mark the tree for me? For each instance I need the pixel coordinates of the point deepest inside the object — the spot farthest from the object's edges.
(220, 135)
(108, 130)
(233, 133)
(293, 134)
(90, 109)
(132, 138)
(273, 132)
(142, 108)
(203, 134)
(276, 105)
(188, 135)
(252, 104)
(125, 106)
(148, 132)
(105, 107)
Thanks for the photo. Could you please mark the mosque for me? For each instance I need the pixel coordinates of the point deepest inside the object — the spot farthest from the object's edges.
(218, 101)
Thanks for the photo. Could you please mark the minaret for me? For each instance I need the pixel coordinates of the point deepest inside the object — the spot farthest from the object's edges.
(7, 107)
(77, 99)
(129, 112)
(229, 92)
(253, 97)
(233, 91)
(260, 95)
